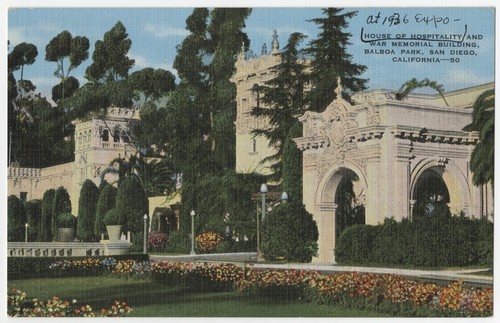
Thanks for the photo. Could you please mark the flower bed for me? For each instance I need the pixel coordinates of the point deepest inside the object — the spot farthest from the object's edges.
(18, 305)
(386, 293)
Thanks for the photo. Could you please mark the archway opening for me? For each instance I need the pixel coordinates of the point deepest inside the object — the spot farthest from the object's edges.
(431, 194)
(349, 199)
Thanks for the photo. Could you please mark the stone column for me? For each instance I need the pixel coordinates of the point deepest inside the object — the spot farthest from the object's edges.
(325, 219)
(412, 206)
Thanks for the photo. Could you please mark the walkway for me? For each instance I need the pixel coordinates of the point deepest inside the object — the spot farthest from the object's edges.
(423, 275)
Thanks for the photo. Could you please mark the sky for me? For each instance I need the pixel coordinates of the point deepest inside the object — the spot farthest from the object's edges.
(155, 33)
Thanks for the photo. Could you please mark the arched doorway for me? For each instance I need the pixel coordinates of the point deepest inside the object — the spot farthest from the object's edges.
(430, 194)
(349, 198)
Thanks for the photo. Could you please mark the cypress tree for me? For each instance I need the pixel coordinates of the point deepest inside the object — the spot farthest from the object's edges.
(330, 59)
(132, 202)
(16, 216)
(45, 233)
(292, 165)
(87, 211)
(33, 218)
(62, 204)
(105, 202)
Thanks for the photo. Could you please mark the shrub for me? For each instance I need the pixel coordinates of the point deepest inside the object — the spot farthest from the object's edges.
(208, 241)
(66, 220)
(114, 217)
(16, 219)
(45, 233)
(86, 211)
(355, 244)
(289, 231)
(178, 242)
(105, 202)
(157, 241)
(440, 240)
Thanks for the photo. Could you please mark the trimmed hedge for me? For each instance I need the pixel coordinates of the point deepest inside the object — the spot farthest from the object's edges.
(441, 240)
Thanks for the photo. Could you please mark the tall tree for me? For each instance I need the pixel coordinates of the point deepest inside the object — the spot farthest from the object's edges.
(87, 211)
(63, 48)
(16, 218)
(62, 204)
(205, 62)
(45, 233)
(483, 156)
(106, 202)
(292, 165)
(33, 218)
(330, 59)
(283, 99)
(107, 77)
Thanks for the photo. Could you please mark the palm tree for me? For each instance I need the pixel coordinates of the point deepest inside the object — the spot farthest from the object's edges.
(483, 121)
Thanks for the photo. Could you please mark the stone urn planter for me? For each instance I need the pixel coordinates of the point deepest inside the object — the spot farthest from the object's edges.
(114, 232)
(66, 234)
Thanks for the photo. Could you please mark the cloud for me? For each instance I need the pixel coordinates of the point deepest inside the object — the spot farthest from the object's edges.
(464, 78)
(165, 31)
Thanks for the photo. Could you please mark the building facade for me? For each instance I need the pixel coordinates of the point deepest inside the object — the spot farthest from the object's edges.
(392, 150)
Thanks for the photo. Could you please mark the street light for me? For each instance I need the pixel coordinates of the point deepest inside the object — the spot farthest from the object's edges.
(284, 197)
(192, 233)
(26, 232)
(145, 233)
(263, 191)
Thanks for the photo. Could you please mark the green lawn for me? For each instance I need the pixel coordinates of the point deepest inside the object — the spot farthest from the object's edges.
(153, 299)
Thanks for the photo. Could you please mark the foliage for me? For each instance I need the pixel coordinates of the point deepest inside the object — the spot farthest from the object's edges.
(76, 50)
(282, 100)
(18, 305)
(178, 242)
(23, 54)
(483, 121)
(153, 84)
(222, 204)
(292, 165)
(289, 231)
(157, 241)
(200, 113)
(105, 202)
(413, 84)
(132, 203)
(62, 204)
(426, 241)
(110, 60)
(46, 220)
(207, 241)
(16, 215)
(331, 59)
(66, 220)
(87, 204)
(355, 244)
(114, 217)
(33, 218)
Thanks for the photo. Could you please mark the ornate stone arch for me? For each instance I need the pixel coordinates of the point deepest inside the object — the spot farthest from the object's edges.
(328, 184)
(455, 180)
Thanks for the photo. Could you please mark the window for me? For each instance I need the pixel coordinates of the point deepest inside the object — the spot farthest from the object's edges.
(116, 135)
(254, 145)
(105, 135)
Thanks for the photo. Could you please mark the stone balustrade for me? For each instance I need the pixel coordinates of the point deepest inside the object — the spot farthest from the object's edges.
(68, 249)
(24, 172)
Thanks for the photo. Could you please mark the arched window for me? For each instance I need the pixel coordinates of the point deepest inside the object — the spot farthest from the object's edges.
(116, 135)
(105, 135)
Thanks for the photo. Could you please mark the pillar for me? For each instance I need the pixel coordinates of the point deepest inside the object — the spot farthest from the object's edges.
(325, 220)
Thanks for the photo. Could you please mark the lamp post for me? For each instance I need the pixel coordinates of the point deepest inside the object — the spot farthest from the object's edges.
(145, 234)
(192, 233)
(263, 191)
(26, 225)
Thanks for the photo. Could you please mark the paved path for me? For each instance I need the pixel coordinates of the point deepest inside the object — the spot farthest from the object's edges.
(427, 275)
